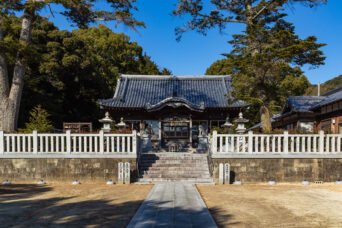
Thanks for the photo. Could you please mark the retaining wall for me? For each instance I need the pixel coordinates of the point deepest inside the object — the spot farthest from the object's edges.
(28, 170)
(281, 169)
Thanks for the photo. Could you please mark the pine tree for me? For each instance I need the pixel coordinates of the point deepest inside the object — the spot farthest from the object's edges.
(265, 60)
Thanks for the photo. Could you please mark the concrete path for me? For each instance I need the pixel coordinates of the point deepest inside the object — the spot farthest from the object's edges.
(173, 204)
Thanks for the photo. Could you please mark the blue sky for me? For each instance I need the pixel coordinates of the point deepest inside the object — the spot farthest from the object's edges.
(195, 52)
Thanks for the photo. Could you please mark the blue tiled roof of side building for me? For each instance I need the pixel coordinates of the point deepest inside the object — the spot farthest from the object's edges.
(330, 97)
(303, 103)
(138, 90)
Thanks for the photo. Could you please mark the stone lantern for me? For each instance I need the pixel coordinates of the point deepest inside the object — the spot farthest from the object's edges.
(227, 125)
(122, 124)
(106, 121)
(241, 124)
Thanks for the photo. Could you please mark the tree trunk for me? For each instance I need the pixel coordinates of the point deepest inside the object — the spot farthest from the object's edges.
(10, 100)
(7, 115)
(265, 119)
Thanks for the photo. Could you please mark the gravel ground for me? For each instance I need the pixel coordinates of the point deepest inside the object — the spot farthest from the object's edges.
(66, 205)
(282, 205)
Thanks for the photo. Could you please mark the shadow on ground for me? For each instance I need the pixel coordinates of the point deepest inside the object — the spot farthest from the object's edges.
(19, 208)
(27, 206)
(222, 218)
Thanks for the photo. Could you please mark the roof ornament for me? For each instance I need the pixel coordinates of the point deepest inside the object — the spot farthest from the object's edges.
(202, 105)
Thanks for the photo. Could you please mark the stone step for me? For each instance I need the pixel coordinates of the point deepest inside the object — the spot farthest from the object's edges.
(168, 154)
(180, 172)
(172, 168)
(172, 176)
(189, 180)
(161, 167)
(175, 159)
(166, 166)
(174, 163)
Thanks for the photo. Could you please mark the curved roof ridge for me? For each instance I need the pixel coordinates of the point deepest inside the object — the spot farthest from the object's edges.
(306, 97)
(188, 103)
(136, 76)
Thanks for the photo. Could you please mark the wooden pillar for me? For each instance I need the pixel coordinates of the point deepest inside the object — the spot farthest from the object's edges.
(190, 129)
(160, 133)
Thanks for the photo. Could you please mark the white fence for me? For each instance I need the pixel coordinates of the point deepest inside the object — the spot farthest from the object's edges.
(276, 145)
(68, 145)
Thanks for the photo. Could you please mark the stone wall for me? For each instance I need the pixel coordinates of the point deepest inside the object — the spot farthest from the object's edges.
(281, 170)
(62, 169)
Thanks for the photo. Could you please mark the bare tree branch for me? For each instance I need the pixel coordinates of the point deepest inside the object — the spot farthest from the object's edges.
(263, 8)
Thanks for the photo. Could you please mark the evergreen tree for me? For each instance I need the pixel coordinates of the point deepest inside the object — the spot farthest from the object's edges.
(265, 60)
(79, 12)
(267, 77)
(39, 121)
(67, 72)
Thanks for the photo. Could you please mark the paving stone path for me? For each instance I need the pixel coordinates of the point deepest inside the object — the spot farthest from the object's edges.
(173, 204)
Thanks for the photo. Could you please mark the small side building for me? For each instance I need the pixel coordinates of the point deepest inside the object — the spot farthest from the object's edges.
(311, 113)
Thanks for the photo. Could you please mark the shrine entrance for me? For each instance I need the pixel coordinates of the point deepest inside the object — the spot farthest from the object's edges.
(175, 129)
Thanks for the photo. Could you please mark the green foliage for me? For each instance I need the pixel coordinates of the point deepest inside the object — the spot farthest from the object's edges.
(204, 15)
(79, 12)
(326, 86)
(266, 59)
(265, 64)
(69, 71)
(38, 120)
(220, 67)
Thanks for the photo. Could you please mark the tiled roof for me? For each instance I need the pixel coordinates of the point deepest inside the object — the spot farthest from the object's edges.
(143, 91)
(330, 97)
(301, 103)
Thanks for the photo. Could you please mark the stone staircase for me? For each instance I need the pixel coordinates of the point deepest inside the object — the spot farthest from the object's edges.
(166, 166)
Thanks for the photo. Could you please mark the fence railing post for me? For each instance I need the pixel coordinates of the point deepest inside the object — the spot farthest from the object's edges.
(134, 142)
(286, 142)
(214, 142)
(68, 141)
(101, 133)
(250, 142)
(2, 142)
(321, 141)
(35, 142)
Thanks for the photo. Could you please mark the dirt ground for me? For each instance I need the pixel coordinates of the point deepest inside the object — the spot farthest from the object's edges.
(281, 205)
(66, 205)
